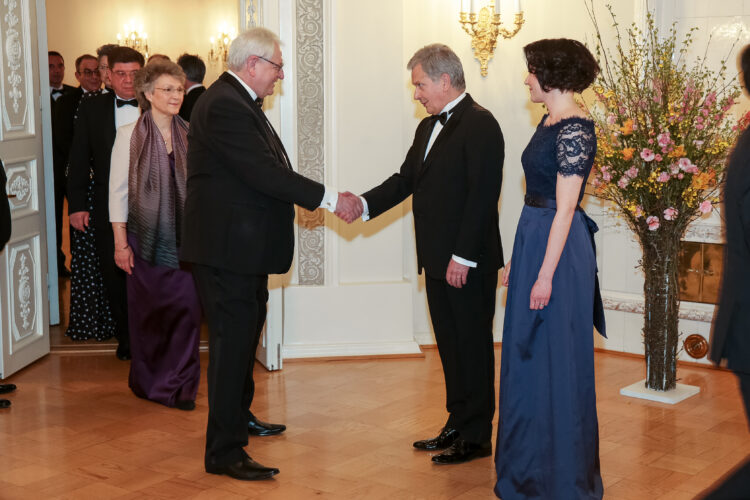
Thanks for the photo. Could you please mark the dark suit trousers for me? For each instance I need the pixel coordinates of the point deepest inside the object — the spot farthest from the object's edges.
(235, 309)
(113, 278)
(60, 183)
(462, 321)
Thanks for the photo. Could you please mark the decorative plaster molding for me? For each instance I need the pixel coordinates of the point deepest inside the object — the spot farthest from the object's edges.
(310, 139)
(692, 311)
(16, 77)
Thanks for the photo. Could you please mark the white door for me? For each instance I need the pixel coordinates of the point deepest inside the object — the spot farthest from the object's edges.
(269, 347)
(24, 310)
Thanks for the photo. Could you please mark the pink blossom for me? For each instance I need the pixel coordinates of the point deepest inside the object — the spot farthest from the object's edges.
(700, 126)
(611, 119)
(632, 172)
(671, 213)
(698, 144)
(680, 175)
(674, 168)
(650, 141)
(710, 98)
(664, 139)
(705, 207)
(663, 177)
(692, 169)
(606, 176)
(653, 222)
(596, 182)
(647, 154)
(657, 157)
(699, 119)
(704, 111)
(638, 212)
(623, 182)
(685, 163)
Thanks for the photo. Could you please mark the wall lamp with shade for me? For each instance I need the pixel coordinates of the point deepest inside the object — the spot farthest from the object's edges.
(481, 20)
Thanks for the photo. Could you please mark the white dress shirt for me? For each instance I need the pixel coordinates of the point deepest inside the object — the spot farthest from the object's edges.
(331, 197)
(125, 114)
(435, 132)
(119, 169)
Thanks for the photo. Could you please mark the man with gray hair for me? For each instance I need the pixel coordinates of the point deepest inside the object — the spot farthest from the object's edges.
(453, 170)
(239, 209)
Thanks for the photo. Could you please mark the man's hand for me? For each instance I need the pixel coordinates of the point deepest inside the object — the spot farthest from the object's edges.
(79, 220)
(349, 207)
(456, 274)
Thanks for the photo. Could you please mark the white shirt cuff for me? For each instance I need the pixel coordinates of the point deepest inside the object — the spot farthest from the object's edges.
(330, 200)
(464, 261)
(365, 209)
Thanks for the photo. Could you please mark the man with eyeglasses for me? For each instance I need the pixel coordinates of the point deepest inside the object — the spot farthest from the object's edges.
(93, 137)
(102, 54)
(239, 208)
(63, 112)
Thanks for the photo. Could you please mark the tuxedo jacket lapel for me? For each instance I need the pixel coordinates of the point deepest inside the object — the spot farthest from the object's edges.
(272, 139)
(445, 134)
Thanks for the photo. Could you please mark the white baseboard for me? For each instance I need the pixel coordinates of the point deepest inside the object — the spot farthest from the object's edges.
(340, 350)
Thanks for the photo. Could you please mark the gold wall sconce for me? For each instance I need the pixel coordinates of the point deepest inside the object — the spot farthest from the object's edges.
(135, 38)
(483, 24)
(219, 48)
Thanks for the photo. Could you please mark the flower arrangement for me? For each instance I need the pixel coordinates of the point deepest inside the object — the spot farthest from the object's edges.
(664, 130)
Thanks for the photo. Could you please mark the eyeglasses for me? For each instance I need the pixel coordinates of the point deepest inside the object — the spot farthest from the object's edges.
(122, 74)
(279, 67)
(89, 72)
(171, 90)
(103, 67)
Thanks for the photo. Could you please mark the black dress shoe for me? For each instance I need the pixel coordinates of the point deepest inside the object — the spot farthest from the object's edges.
(6, 388)
(4, 403)
(446, 438)
(462, 451)
(187, 405)
(257, 427)
(123, 353)
(246, 469)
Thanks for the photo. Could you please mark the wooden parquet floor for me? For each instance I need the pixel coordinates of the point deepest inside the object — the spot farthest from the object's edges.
(75, 431)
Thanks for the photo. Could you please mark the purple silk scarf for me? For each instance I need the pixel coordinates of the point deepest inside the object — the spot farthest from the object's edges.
(156, 198)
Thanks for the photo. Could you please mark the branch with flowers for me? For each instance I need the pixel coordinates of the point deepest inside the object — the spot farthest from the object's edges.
(664, 130)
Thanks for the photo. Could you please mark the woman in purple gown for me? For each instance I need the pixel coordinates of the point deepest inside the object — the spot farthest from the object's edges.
(147, 195)
(547, 438)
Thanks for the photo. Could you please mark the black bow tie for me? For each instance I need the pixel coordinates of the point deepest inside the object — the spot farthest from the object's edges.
(442, 118)
(57, 91)
(122, 102)
(259, 101)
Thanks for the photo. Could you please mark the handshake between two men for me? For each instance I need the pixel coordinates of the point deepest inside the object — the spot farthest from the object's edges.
(349, 207)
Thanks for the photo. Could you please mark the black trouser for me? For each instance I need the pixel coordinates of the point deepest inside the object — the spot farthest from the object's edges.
(462, 321)
(736, 486)
(234, 306)
(113, 278)
(60, 190)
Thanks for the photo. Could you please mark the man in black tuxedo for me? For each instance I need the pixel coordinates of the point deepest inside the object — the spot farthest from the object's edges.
(239, 213)
(731, 335)
(453, 170)
(63, 113)
(57, 90)
(195, 71)
(4, 237)
(93, 137)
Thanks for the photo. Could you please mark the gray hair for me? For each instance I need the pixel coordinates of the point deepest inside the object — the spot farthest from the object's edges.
(253, 42)
(437, 59)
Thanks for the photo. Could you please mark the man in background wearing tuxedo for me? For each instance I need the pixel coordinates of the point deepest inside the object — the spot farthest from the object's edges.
(195, 71)
(453, 170)
(93, 137)
(239, 209)
(57, 90)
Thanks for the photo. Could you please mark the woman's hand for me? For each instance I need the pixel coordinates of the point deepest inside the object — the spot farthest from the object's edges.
(540, 293)
(124, 259)
(506, 273)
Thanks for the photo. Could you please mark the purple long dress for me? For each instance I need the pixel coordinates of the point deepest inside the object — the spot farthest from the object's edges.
(164, 316)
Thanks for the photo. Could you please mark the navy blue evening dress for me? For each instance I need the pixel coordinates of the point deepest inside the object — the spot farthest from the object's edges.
(548, 436)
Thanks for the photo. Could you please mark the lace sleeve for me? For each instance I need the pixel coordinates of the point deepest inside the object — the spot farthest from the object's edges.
(576, 148)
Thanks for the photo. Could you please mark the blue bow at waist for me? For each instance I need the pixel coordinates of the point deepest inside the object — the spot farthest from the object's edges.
(537, 201)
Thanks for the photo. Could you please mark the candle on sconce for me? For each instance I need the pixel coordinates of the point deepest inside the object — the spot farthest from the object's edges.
(471, 7)
(518, 6)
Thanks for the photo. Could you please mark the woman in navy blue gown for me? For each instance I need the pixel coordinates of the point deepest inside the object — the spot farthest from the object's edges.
(547, 439)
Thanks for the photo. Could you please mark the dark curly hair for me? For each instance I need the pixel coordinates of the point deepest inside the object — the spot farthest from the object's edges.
(561, 63)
